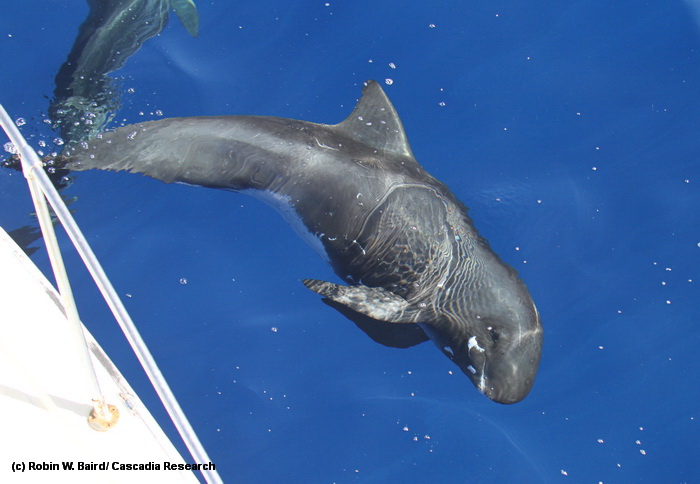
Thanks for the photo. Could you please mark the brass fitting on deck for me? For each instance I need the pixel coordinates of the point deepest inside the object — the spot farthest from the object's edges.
(103, 416)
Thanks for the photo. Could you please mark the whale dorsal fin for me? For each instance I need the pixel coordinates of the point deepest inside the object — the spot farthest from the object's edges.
(375, 123)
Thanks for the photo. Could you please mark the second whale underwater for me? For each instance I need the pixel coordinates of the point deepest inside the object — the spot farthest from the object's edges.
(416, 266)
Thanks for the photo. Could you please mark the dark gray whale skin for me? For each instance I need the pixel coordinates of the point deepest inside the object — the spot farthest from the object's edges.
(416, 266)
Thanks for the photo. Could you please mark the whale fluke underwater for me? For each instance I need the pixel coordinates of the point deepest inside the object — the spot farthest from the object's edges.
(414, 265)
(86, 98)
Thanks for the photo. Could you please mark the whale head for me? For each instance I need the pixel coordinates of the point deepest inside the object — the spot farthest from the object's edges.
(493, 332)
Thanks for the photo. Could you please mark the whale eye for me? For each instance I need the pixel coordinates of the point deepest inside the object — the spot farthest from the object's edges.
(494, 334)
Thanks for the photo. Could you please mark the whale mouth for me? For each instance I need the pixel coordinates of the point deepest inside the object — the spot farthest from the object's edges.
(506, 395)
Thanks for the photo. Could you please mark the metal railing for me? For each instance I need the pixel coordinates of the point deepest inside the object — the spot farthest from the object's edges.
(42, 190)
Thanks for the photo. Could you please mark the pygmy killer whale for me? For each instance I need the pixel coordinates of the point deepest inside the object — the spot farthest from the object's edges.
(86, 98)
(416, 266)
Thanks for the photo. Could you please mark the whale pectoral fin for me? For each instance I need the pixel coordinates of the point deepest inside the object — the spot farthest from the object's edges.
(373, 302)
(388, 334)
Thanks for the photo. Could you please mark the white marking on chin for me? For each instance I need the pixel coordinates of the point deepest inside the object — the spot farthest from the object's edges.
(472, 343)
(283, 204)
(482, 383)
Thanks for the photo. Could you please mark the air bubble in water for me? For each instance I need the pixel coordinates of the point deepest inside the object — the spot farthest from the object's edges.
(10, 148)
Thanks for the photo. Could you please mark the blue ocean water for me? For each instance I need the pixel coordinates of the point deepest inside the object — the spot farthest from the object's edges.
(570, 129)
